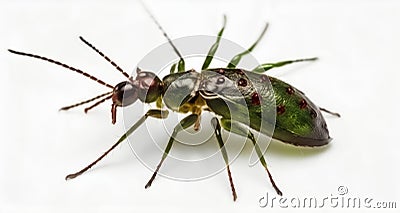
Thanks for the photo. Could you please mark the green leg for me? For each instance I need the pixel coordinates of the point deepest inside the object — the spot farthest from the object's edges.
(217, 131)
(238, 129)
(173, 68)
(155, 113)
(236, 59)
(267, 66)
(183, 124)
(181, 65)
(214, 47)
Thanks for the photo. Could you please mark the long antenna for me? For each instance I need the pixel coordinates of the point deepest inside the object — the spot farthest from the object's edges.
(105, 57)
(85, 102)
(63, 65)
(181, 61)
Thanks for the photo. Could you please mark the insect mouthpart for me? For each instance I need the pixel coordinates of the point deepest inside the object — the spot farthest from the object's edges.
(124, 94)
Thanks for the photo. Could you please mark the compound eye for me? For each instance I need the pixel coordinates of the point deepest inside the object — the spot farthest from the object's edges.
(125, 93)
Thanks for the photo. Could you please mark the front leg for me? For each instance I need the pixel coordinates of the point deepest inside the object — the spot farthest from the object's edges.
(183, 124)
(155, 113)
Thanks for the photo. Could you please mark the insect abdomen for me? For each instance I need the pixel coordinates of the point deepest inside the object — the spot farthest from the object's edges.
(298, 120)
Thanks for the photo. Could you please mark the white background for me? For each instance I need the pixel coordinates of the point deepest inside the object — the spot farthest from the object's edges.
(358, 76)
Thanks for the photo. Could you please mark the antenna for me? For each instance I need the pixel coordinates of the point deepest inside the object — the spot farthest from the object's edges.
(181, 64)
(63, 65)
(105, 57)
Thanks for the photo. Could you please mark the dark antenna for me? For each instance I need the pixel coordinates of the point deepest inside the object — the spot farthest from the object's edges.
(85, 102)
(63, 65)
(181, 61)
(105, 57)
(97, 103)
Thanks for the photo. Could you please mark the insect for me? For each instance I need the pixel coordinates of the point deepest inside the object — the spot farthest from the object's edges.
(298, 121)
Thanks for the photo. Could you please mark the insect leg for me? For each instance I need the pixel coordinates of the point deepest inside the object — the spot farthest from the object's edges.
(173, 68)
(155, 113)
(183, 124)
(84, 102)
(217, 131)
(330, 112)
(236, 59)
(181, 65)
(267, 66)
(236, 128)
(214, 47)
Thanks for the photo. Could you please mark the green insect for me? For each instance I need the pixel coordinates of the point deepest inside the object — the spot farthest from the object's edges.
(237, 97)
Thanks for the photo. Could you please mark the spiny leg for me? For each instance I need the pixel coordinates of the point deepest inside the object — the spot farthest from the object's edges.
(63, 65)
(217, 131)
(214, 47)
(267, 66)
(183, 124)
(105, 57)
(236, 59)
(329, 112)
(156, 113)
(84, 102)
(236, 128)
